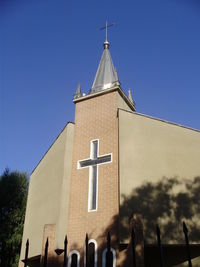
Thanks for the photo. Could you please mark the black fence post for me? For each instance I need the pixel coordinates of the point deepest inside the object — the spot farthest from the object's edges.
(185, 231)
(26, 253)
(65, 252)
(46, 253)
(108, 260)
(86, 250)
(133, 246)
(159, 246)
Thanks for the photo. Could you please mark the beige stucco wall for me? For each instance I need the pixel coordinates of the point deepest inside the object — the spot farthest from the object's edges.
(150, 152)
(62, 219)
(150, 149)
(48, 193)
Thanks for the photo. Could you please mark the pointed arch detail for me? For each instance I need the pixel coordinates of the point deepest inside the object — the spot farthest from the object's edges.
(95, 250)
(70, 258)
(93, 241)
(104, 257)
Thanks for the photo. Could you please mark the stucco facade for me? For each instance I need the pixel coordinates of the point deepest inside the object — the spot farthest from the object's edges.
(151, 149)
(48, 196)
(153, 153)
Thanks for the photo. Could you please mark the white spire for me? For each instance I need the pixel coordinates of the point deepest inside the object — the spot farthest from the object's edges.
(106, 75)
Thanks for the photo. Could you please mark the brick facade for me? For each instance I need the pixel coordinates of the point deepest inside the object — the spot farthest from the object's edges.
(95, 118)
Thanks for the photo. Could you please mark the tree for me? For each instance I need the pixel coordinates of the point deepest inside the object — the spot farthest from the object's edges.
(13, 196)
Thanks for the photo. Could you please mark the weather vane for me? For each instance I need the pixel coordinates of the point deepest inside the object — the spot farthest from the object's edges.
(106, 28)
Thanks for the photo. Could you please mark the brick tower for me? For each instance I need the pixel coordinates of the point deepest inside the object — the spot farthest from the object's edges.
(94, 184)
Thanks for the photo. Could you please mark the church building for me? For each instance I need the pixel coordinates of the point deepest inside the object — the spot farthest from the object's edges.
(109, 169)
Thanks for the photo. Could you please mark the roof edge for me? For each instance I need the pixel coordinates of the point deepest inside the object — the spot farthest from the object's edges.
(162, 120)
(69, 122)
(115, 88)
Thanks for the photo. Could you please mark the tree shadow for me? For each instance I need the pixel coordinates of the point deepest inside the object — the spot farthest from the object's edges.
(167, 203)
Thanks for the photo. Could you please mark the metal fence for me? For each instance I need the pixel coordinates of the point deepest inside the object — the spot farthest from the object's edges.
(109, 260)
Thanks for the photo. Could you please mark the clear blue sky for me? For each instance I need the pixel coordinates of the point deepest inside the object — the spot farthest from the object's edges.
(48, 46)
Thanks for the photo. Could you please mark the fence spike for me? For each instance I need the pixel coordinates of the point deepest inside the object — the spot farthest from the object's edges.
(65, 252)
(46, 253)
(159, 246)
(108, 241)
(133, 246)
(185, 231)
(27, 243)
(66, 241)
(158, 231)
(86, 238)
(26, 253)
(86, 250)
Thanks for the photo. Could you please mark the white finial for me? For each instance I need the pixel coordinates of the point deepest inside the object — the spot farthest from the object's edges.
(130, 96)
(78, 91)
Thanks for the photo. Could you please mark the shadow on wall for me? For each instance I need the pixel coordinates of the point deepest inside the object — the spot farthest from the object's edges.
(166, 203)
(125, 252)
(57, 259)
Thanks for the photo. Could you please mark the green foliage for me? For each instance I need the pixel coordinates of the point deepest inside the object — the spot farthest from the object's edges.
(13, 196)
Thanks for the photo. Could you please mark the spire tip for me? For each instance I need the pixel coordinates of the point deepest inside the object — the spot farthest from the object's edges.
(106, 45)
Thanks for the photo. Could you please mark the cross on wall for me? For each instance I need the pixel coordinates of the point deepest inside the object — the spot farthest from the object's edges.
(93, 163)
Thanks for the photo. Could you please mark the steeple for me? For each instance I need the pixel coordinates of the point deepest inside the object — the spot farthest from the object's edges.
(106, 75)
(106, 80)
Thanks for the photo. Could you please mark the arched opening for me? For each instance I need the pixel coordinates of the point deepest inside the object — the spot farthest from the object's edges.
(109, 259)
(74, 259)
(92, 253)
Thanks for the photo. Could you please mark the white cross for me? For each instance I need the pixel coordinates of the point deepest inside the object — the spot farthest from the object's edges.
(92, 163)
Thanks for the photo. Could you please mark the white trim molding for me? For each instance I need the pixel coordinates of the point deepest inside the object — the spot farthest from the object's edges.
(86, 162)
